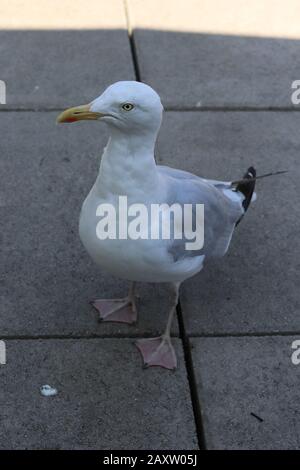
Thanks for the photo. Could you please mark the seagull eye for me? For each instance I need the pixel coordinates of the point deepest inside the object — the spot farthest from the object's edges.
(127, 106)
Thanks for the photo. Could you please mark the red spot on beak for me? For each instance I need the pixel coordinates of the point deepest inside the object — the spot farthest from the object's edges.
(70, 119)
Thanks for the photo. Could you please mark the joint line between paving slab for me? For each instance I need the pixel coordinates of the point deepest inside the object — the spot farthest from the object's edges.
(132, 43)
(192, 380)
(185, 109)
(32, 110)
(232, 109)
(79, 336)
(146, 335)
(257, 334)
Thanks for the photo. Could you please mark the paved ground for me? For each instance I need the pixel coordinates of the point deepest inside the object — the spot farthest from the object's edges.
(225, 80)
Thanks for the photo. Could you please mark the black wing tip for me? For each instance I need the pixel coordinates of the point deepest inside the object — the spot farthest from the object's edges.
(251, 172)
(247, 187)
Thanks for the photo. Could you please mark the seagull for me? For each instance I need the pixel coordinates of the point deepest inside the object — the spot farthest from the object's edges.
(133, 112)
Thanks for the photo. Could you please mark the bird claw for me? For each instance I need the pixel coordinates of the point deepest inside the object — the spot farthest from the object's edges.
(157, 352)
(116, 310)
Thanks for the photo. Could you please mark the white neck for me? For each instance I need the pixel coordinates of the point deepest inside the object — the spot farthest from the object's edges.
(128, 164)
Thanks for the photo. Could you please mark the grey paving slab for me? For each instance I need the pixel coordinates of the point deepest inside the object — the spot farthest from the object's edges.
(105, 399)
(202, 70)
(45, 163)
(255, 288)
(47, 278)
(240, 376)
(198, 54)
(56, 68)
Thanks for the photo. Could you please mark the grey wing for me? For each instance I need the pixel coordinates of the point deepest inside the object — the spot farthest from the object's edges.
(222, 209)
(182, 174)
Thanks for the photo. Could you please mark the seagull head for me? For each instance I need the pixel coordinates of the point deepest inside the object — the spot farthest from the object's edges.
(128, 106)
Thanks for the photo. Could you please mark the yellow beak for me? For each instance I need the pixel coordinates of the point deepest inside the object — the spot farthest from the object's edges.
(78, 113)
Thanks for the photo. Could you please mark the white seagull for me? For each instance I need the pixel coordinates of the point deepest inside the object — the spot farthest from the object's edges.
(133, 112)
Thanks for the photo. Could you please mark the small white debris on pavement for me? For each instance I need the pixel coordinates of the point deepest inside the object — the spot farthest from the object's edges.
(48, 391)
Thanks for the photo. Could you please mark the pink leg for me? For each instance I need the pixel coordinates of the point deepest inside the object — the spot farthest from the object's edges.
(159, 351)
(117, 310)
